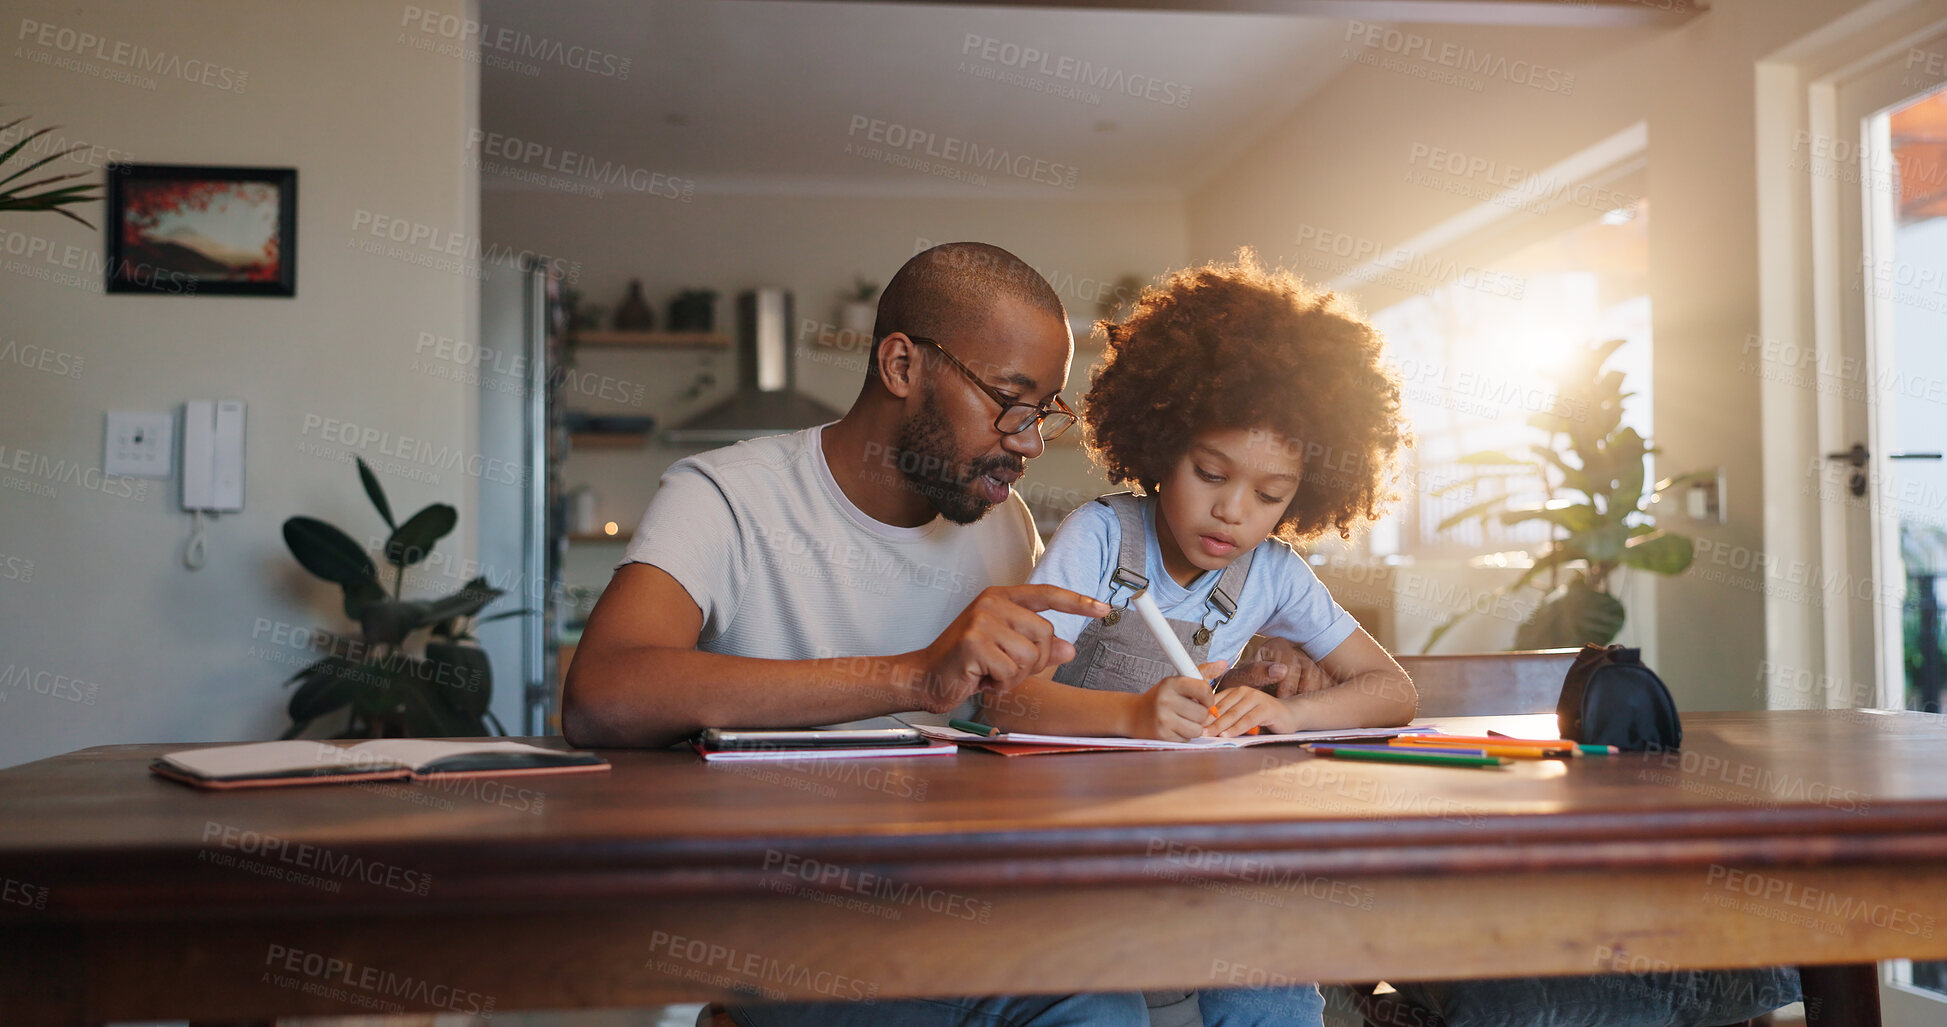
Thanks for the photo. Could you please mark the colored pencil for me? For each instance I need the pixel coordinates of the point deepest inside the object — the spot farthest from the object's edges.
(1514, 752)
(1537, 743)
(1387, 755)
(1527, 752)
(984, 730)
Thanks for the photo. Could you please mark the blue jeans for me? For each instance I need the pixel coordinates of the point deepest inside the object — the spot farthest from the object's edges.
(1681, 998)
(1298, 1005)
(1109, 1009)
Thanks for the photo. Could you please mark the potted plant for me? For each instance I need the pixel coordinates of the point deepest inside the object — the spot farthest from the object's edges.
(858, 307)
(1591, 470)
(389, 692)
(23, 196)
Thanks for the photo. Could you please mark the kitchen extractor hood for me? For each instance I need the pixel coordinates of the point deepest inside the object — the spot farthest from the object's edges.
(767, 401)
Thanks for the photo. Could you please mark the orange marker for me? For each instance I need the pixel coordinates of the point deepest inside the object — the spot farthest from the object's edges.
(1213, 712)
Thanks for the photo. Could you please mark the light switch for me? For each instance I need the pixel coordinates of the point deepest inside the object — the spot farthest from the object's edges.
(1704, 500)
(140, 444)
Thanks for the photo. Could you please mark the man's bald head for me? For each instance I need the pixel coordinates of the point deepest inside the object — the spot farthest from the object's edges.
(955, 286)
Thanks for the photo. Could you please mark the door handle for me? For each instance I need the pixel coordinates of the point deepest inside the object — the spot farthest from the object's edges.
(1857, 457)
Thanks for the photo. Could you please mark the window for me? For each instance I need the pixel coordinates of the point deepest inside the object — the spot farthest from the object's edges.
(1474, 365)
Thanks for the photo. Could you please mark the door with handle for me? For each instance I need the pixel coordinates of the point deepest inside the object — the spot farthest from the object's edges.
(1882, 474)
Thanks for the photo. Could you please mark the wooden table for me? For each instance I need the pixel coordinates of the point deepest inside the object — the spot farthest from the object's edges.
(1780, 837)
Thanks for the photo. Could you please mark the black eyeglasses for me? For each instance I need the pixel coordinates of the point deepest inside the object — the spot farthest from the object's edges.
(1054, 418)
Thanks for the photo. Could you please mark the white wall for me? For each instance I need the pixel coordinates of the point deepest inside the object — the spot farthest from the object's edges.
(1340, 165)
(371, 124)
(813, 245)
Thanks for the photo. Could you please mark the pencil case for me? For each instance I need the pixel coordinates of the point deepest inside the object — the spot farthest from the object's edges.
(1611, 698)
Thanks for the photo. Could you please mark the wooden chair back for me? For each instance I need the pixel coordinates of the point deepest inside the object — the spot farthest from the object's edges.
(1488, 684)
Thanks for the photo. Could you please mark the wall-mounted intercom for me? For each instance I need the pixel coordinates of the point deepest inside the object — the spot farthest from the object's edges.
(213, 455)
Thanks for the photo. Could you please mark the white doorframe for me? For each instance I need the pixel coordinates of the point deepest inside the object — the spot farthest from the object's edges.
(1817, 655)
(1815, 222)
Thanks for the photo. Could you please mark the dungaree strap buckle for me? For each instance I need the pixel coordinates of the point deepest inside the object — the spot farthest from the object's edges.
(1123, 578)
(1221, 602)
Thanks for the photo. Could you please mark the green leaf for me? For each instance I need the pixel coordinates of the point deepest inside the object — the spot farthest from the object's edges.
(361, 594)
(327, 685)
(389, 621)
(327, 552)
(462, 677)
(1564, 553)
(1578, 518)
(1478, 510)
(376, 493)
(21, 145)
(1573, 616)
(1659, 553)
(1572, 477)
(464, 603)
(1605, 542)
(413, 540)
(1600, 353)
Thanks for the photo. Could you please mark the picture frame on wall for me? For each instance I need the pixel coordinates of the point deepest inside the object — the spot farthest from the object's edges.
(195, 230)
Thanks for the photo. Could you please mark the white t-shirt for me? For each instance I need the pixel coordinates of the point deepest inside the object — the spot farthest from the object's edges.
(785, 567)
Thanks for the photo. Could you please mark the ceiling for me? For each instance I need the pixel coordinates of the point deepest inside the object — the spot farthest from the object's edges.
(787, 97)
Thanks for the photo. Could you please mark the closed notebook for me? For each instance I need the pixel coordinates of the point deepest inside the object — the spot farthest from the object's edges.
(267, 764)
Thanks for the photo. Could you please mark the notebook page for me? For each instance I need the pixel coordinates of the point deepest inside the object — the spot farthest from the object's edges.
(260, 758)
(417, 752)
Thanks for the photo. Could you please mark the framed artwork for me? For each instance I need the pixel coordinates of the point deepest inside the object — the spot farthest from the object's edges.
(188, 230)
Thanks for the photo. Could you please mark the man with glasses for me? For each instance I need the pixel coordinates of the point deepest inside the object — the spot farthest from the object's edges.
(872, 565)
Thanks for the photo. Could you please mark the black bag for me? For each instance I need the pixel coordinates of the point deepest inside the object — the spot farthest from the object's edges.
(1610, 698)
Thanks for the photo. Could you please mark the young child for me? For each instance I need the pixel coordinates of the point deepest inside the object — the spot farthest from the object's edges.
(1251, 412)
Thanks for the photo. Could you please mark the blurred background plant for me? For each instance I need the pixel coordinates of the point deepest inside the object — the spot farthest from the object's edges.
(1923, 550)
(387, 691)
(1591, 470)
(50, 195)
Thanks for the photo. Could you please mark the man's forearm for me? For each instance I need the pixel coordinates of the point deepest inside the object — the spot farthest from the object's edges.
(1375, 698)
(653, 696)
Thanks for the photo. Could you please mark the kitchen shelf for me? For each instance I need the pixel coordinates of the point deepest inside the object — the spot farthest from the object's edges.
(650, 340)
(596, 536)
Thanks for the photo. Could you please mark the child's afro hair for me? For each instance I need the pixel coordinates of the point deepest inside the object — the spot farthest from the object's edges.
(1236, 346)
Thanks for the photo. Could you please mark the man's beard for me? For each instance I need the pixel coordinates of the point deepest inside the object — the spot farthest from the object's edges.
(932, 469)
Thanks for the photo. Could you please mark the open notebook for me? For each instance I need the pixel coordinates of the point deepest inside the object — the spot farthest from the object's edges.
(1023, 743)
(266, 764)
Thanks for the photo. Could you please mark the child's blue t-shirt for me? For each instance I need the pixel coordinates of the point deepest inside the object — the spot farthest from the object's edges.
(1282, 597)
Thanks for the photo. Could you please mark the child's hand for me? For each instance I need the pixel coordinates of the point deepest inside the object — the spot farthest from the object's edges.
(1177, 709)
(1241, 709)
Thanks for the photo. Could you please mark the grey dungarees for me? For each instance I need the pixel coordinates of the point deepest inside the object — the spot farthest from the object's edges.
(1118, 654)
